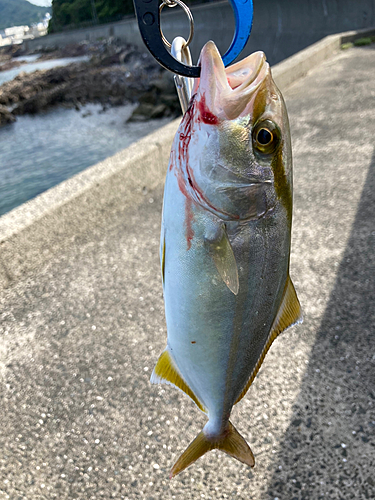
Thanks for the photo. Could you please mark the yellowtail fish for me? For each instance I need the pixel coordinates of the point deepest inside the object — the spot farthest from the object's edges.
(225, 244)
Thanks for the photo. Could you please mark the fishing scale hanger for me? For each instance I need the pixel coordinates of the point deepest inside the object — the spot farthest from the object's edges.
(148, 16)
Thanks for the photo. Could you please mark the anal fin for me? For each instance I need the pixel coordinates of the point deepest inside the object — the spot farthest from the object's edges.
(289, 314)
(165, 372)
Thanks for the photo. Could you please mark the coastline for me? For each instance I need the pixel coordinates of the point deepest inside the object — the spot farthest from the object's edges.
(116, 74)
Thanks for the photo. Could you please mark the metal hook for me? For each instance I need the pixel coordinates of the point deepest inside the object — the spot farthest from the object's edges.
(184, 85)
(148, 16)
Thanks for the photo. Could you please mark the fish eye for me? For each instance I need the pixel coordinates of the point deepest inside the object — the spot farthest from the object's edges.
(266, 137)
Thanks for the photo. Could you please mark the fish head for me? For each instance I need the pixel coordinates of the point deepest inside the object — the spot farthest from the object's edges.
(239, 156)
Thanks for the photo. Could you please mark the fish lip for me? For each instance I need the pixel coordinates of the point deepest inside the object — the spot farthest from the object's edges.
(228, 92)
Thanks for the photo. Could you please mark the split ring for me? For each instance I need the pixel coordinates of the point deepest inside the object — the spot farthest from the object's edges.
(173, 3)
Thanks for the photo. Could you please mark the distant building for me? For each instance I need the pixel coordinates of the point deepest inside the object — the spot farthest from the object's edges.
(4, 40)
(17, 34)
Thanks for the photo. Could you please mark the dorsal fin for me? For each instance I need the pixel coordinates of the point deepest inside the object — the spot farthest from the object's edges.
(288, 315)
(166, 373)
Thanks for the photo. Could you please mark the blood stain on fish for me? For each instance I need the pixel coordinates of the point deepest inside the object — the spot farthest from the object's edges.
(188, 208)
(188, 222)
(183, 156)
(205, 113)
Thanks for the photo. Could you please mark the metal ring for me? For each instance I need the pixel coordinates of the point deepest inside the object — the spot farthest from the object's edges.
(169, 3)
(187, 12)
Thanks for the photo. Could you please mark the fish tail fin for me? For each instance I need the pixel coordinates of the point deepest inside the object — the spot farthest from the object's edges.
(231, 442)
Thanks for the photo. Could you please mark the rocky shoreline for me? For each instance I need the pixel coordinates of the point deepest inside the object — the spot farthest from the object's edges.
(115, 74)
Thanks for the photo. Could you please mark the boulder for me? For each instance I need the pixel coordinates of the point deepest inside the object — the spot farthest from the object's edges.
(6, 116)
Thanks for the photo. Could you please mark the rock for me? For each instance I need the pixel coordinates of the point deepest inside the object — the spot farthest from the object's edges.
(103, 80)
(6, 116)
(171, 102)
(116, 100)
(159, 111)
(164, 84)
(10, 65)
(149, 97)
(142, 112)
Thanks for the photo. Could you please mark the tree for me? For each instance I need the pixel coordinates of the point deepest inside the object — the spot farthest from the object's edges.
(75, 12)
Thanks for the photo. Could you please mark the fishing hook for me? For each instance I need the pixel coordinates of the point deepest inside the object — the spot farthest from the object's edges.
(148, 17)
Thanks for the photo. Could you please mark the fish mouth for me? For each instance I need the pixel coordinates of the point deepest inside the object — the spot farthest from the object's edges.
(228, 93)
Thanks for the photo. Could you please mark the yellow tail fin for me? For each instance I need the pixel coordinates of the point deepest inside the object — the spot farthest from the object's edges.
(231, 442)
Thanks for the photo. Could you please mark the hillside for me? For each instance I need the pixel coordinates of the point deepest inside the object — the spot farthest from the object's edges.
(20, 12)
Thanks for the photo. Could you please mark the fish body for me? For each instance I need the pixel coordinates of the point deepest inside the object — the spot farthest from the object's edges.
(225, 243)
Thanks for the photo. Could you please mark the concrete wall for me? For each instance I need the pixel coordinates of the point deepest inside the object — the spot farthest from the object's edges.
(281, 27)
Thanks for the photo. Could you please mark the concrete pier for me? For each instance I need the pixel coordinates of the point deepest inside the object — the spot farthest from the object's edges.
(82, 325)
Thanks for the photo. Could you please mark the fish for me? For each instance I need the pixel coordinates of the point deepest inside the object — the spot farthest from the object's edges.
(225, 244)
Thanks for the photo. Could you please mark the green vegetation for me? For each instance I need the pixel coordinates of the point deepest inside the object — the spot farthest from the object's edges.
(362, 41)
(359, 42)
(75, 13)
(70, 14)
(20, 13)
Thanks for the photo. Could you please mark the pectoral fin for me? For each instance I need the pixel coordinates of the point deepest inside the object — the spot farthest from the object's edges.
(289, 314)
(165, 372)
(221, 251)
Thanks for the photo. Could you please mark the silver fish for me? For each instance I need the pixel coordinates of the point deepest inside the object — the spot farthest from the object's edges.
(225, 244)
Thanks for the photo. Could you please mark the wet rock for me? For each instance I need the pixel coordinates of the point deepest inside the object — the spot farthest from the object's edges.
(116, 74)
(6, 66)
(6, 116)
(159, 111)
(164, 84)
(149, 97)
(143, 112)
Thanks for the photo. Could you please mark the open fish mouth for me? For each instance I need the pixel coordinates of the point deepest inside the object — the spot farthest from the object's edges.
(228, 92)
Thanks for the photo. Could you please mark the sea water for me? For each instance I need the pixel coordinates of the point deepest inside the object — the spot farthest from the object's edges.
(34, 65)
(39, 151)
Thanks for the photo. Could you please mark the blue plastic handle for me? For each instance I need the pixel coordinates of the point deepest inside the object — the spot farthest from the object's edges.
(148, 17)
(243, 13)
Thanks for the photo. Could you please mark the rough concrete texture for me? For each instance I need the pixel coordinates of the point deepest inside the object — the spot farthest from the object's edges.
(289, 71)
(81, 336)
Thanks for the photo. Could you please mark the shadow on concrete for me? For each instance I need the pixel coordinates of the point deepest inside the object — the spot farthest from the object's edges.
(329, 448)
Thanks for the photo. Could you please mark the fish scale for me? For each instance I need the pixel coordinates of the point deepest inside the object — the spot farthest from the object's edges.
(225, 244)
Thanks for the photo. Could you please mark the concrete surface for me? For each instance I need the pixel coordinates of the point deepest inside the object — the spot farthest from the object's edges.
(281, 27)
(294, 67)
(81, 335)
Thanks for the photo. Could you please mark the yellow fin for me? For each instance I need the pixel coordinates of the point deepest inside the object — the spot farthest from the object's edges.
(289, 314)
(222, 254)
(165, 372)
(231, 443)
